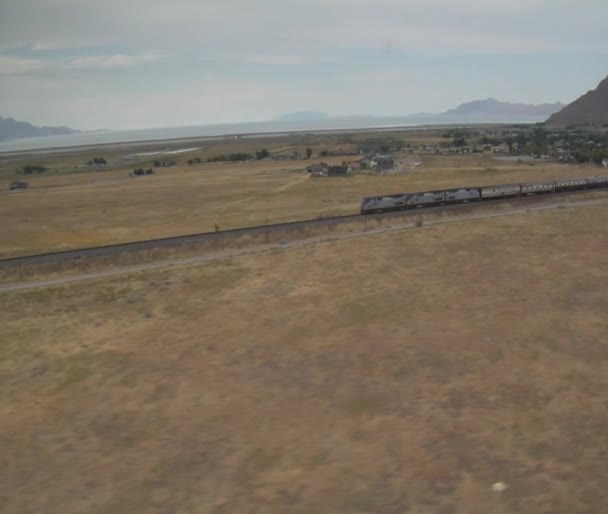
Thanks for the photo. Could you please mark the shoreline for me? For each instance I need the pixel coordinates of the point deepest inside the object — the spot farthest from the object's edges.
(80, 148)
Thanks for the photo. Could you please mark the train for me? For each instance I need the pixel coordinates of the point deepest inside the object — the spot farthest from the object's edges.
(420, 199)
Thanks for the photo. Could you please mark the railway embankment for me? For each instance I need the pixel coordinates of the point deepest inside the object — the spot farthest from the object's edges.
(225, 244)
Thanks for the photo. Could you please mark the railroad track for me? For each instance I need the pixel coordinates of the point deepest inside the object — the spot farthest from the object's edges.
(175, 241)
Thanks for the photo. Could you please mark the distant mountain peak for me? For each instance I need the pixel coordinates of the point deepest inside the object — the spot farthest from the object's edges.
(603, 85)
(13, 129)
(304, 116)
(591, 108)
(494, 107)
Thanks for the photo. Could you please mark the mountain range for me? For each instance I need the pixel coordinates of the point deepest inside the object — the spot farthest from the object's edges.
(304, 116)
(493, 107)
(489, 109)
(13, 129)
(589, 109)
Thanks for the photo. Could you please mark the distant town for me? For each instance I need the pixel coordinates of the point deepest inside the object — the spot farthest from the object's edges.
(575, 146)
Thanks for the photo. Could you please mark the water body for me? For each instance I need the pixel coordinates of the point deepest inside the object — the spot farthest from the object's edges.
(202, 131)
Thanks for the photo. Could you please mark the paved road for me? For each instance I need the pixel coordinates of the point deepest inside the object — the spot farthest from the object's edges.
(406, 224)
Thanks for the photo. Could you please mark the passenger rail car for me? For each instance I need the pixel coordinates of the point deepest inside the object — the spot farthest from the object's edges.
(417, 200)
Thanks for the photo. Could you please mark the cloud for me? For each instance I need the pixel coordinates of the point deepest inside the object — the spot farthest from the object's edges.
(225, 60)
(110, 61)
(216, 28)
(45, 46)
(291, 59)
(27, 66)
(200, 102)
(16, 66)
(427, 39)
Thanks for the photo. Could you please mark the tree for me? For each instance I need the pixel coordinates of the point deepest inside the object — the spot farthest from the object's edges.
(262, 154)
(398, 145)
(522, 141)
(541, 136)
(459, 141)
(308, 153)
(30, 169)
(599, 156)
(580, 157)
(97, 161)
(239, 157)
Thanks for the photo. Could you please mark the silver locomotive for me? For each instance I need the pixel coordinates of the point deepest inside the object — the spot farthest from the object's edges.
(417, 200)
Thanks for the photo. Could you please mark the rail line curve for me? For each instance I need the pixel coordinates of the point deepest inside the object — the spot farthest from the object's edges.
(175, 241)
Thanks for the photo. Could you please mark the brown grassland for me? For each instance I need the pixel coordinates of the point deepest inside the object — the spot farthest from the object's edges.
(396, 373)
(74, 207)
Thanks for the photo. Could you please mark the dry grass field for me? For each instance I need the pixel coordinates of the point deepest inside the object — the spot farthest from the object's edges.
(76, 207)
(396, 373)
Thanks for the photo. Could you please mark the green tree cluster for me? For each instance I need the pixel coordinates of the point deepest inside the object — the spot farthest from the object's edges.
(598, 156)
(381, 145)
(233, 157)
(163, 164)
(138, 172)
(262, 154)
(241, 156)
(97, 161)
(31, 169)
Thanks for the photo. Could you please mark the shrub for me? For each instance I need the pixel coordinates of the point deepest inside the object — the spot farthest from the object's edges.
(30, 169)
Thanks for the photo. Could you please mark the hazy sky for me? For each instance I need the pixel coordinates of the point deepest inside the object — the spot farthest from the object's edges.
(144, 63)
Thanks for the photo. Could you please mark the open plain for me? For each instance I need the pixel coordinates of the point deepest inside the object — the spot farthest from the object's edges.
(71, 206)
(398, 373)
(456, 367)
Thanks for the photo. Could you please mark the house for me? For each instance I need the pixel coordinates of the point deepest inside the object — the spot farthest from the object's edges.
(354, 167)
(605, 163)
(337, 171)
(384, 162)
(18, 184)
(317, 169)
(501, 148)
